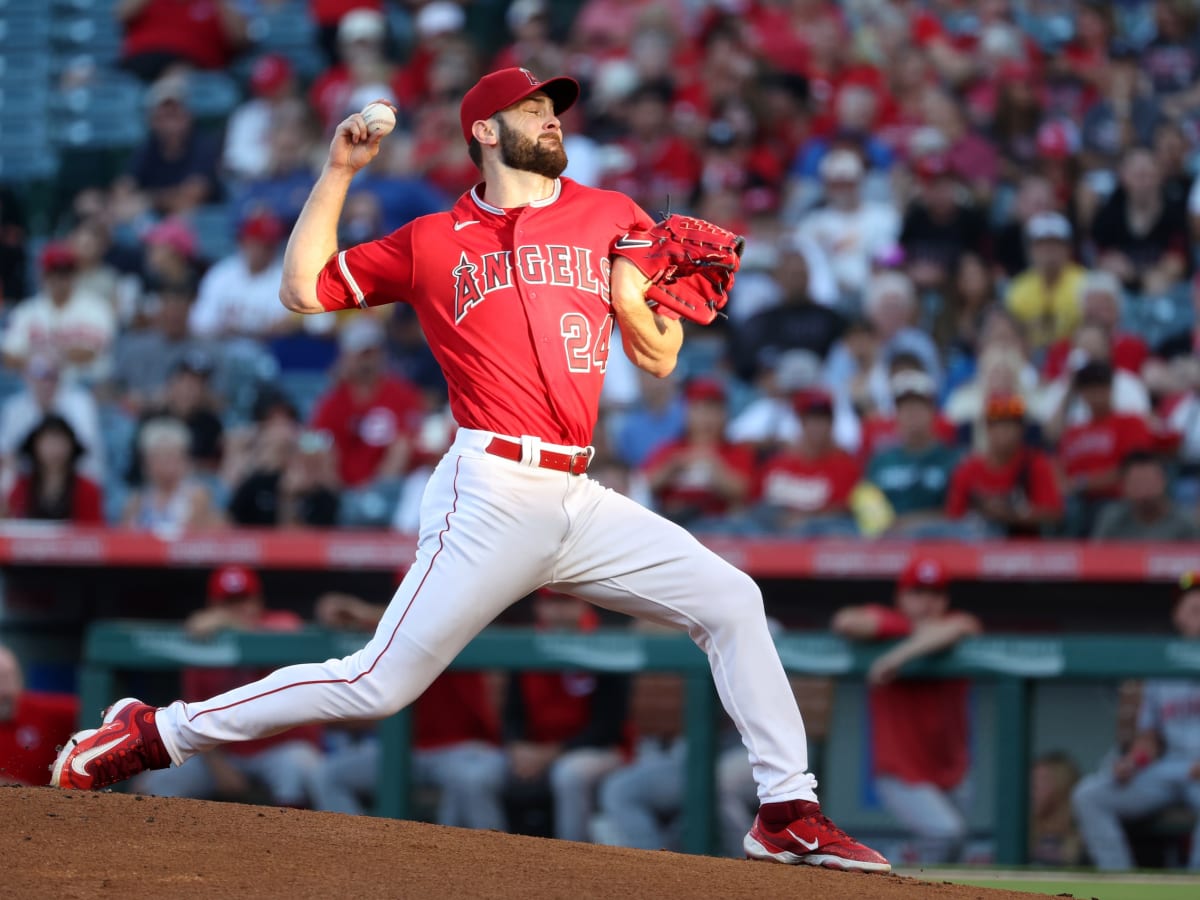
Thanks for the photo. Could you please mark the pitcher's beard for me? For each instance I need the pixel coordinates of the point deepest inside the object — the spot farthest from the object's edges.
(544, 157)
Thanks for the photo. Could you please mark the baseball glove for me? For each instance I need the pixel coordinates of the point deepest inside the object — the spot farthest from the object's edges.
(690, 264)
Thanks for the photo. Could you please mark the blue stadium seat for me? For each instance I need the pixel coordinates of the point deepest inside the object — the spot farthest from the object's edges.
(213, 225)
(304, 389)
(371, 506)
(245, 367)
(118, 428)
(1154, 319)
(106, 112)
(212, 95)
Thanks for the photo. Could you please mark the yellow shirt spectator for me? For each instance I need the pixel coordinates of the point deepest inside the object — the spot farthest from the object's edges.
(1045, 297)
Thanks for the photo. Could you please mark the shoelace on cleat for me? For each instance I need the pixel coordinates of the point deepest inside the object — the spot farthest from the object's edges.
(117, 765)
(825, 827)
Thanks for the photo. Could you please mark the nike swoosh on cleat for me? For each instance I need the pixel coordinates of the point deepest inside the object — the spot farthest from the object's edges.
(459, 226)
(806, 844)
(79, 763)
(625, 242)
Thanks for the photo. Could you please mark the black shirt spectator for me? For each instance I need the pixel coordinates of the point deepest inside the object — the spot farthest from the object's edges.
(797, 323)
(177, 165)
(12, 247)
(938, 229)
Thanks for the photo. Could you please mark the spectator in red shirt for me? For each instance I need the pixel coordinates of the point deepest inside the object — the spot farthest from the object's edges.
(1090, 454)
(1100, 299)
(370, 414)
(701, 474)
(280, 763)
(1009, 487)
(919, 728)
(31, 725)
(806, 488)
(455, 736)
(51, 487)
(162, 34)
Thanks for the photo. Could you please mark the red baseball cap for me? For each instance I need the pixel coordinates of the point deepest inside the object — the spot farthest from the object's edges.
(58, 256)
(501, 89)
(812, 400)
(702, 389)
(924, 573)
(233, 582)
(270, 73)
(261, 226)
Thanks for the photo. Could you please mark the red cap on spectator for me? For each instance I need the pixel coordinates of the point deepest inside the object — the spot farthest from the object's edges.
(705, 389)
(812, 400)
(932, 165)
(501, 89)
(59, 256)
(233, 582)
(924, 573)
(1056, 140)
(173, 233)
(261, 226)
(269, 74)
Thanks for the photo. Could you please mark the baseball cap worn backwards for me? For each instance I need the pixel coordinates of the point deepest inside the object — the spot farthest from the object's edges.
(501, 89)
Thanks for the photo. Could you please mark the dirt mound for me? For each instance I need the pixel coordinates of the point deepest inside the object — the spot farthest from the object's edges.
(63, 844)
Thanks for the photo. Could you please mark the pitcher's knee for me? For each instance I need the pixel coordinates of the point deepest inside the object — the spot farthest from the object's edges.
(738, 601)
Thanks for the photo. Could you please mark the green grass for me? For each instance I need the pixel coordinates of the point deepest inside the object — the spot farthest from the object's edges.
(1085, 887)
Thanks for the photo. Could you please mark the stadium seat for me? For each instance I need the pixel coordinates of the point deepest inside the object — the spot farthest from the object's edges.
(245, 367)
(304, 389)
(213, 225)
(212, 96)
(371, 506)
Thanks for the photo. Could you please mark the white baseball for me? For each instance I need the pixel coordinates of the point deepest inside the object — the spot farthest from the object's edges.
(380, 118)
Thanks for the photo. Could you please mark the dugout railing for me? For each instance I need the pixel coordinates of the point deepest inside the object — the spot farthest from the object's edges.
(1013, 664)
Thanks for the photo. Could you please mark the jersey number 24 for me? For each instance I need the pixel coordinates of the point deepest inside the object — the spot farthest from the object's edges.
(582, 354)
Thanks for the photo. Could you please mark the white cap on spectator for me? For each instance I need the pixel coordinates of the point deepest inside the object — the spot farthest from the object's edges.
(911, 382)
(169, 87)
(1048, 226)
(797, 369)
(362, 25)
(841, 165)
(522, 11)
(440, 17)
(360, 333)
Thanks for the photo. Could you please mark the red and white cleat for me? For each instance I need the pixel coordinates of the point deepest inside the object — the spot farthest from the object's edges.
(126, 743)
(799, 834)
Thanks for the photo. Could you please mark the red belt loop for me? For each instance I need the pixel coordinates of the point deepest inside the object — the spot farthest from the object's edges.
(576, 463)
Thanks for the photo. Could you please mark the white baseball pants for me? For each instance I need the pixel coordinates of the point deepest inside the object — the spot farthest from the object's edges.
(493, 531)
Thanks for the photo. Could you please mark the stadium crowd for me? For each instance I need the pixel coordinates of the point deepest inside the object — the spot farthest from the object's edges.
(967, 305)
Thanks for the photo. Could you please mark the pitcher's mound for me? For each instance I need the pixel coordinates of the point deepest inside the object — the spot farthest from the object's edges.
(64, 844)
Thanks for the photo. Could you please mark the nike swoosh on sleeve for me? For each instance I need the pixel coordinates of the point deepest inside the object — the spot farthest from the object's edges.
(459, 226)
(625, 242)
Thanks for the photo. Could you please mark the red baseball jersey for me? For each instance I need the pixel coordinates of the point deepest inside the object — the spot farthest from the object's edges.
(1100, 445)
(1030, 472)
(808, 485)
(514, 302)
(920, 728)
(363, 428)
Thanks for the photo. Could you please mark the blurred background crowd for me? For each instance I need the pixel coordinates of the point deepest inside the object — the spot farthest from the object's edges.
(967, 306)
(967, 309)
